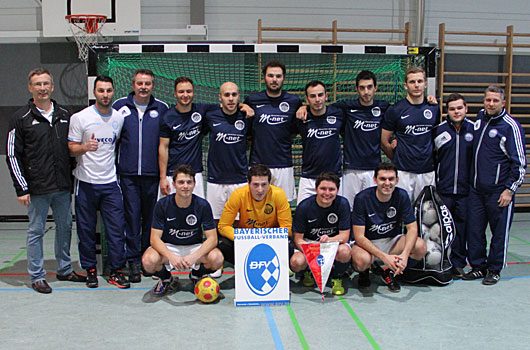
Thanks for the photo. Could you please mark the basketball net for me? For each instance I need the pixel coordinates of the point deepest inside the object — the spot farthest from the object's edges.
(86, 30)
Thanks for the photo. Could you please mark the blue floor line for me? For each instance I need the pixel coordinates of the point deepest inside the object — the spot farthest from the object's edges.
(274, 330)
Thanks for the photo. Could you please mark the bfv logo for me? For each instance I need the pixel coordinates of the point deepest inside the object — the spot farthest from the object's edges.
(262, 269)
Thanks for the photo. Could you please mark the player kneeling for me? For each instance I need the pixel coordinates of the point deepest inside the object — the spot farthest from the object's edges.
(323, 217)
(179, 221)
(378, 213)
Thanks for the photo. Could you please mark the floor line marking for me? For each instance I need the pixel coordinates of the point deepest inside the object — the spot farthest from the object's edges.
(519, 238)
(297, 327)
(13, 260)
(273, 328)
(359, 323)
(516, 257)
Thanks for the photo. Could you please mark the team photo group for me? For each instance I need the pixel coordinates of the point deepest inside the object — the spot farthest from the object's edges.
(139, 162)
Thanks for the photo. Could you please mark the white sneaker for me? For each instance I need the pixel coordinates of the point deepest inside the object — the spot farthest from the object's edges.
(216, 274)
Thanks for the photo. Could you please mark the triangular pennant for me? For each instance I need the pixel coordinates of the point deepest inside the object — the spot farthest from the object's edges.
(320, 257)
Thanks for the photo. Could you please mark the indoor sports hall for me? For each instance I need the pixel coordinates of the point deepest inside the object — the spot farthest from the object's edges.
(463, 48)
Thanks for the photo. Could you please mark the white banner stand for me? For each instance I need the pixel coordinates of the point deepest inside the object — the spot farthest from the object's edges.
(261, 266)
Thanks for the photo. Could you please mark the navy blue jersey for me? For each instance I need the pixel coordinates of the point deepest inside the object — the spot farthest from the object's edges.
(314, 221)
(412, 125)
(362, 133)
(321, 142)
(452, 157)
(185, 138)
(499, 153)
(382, 219)
(227, 157)
(182, 226)
(272, 128)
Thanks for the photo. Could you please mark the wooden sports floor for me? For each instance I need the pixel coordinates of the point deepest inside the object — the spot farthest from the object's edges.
(463, 315)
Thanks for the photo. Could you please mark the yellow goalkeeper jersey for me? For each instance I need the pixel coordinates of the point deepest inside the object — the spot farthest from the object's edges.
(272, 211)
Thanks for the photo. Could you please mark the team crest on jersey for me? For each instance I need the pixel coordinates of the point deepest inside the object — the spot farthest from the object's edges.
(333, 218)
(331, 119)
(115, 125)
(492, 133)
(268, 209)
(284, 107)
(196, 117)
(191, 219)
(391, 212)
(427, 114)
(376, 111)
(153, 114)
(468, 137)
(125, 111)
(239, 124)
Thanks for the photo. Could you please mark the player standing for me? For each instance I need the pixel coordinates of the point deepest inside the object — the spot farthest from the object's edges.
(453, 145)
(273, 127)
(138, 163)
(411, 121)
(92, 140)
(320, 134)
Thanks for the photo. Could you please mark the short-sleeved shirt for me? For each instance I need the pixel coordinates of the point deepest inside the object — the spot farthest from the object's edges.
(315, 221)
(362, 133)
(382, 219)
(97, 167)
(321, 142)
(182, 226)
(184, 131)
(227, 157)
(412, 125)
(272, 128)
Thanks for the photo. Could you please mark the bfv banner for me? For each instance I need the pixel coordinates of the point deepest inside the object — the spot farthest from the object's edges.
(261, 266)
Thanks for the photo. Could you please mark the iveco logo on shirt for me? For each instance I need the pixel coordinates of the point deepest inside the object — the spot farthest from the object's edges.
(417, 129)
(193, 132)
(320, 133)
(365, 125)
(228, 138)
(272, 119)
(382, 229)
(106, 140)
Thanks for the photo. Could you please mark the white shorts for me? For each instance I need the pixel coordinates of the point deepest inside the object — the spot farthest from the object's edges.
(217, 195)
(306, 188)
(198, 190)
(182, 251)
(414, 183)
(386, 244)
(284, 178)
(354, 181)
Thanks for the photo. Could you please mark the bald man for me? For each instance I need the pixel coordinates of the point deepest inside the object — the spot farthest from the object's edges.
(227, 158)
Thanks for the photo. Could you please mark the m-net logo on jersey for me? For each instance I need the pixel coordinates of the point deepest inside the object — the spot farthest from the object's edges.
(262, 269)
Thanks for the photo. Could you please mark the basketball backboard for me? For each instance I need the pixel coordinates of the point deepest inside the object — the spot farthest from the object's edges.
(123, 16)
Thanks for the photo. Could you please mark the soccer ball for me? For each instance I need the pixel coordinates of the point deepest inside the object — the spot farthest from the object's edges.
(207, 290)
(430, 216)
(433, 234)
(434, 254)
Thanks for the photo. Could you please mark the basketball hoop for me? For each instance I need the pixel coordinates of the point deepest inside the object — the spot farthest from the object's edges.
(86, 30)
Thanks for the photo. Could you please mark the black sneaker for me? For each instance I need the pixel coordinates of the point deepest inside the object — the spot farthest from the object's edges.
(72, 277)
(377, 269)
(145, 273)
(195, 276)
(117, 278)
(458, 273)
(389, 280)
(474, 274)
(135, 275)
(92, 278)
(163, 287)
(364, 279)
(491, 278)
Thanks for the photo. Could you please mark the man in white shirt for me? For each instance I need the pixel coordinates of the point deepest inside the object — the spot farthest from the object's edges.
(92, 140)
